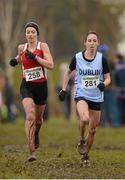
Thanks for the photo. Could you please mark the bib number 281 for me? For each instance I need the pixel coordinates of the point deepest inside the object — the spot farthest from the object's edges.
(90, 82)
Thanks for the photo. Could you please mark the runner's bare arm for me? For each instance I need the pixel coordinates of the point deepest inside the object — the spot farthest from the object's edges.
(107, 79)
(67, 76)
(20, 50)
(47, 61)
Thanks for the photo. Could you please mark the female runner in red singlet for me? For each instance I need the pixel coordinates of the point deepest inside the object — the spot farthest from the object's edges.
(36, 58)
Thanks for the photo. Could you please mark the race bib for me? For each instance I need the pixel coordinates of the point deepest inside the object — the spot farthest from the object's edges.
(33, 73)
(90, 82)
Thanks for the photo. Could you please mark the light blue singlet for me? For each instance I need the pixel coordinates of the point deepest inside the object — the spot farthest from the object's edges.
(88, 76)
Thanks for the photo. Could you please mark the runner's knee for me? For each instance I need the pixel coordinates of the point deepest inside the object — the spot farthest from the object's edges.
(30, 115)
(92, 131)
(39, 121)
(84, 119)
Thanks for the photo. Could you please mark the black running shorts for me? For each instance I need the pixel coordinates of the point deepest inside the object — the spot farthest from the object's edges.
(92, 105)
(37, 91)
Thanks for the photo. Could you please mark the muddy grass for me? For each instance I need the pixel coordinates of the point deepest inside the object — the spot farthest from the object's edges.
(57, 157)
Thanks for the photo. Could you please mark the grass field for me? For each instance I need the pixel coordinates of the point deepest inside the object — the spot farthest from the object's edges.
(57, 157)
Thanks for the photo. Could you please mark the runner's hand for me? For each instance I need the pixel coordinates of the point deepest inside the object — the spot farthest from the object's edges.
(101, 86)
(30, 55)
(62, 95)
(13, 62)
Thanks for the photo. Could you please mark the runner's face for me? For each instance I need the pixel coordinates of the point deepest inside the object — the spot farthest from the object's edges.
(91, 43)
(31, 34)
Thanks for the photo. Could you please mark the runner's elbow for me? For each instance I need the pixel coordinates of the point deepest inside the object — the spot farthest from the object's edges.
(51, 66)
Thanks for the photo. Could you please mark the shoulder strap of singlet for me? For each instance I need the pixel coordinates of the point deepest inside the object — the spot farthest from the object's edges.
(38, 45)
(25, 47)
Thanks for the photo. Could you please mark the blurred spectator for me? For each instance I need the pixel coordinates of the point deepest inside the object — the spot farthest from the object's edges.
(103, 48)
(9, 98)
(120, 82)
(3, 108)
(8, 109)
(110, 112)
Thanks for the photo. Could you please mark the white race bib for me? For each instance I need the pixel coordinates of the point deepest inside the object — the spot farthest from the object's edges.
(33, 73)
(90, 82)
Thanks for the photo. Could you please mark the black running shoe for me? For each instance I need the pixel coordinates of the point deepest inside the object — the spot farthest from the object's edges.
(31, 158)
(85, 159)
(81, 147)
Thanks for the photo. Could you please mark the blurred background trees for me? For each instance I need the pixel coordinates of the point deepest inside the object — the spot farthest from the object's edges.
(62, 26)
(62, 23)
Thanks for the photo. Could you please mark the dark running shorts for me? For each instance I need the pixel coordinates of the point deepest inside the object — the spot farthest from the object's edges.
(37, 91)
(92, 105)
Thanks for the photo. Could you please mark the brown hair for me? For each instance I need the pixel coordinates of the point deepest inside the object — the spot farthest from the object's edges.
(34, 25)
(91, 32)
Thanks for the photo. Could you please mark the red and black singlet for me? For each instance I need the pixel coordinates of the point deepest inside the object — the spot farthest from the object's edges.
(32, 70)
